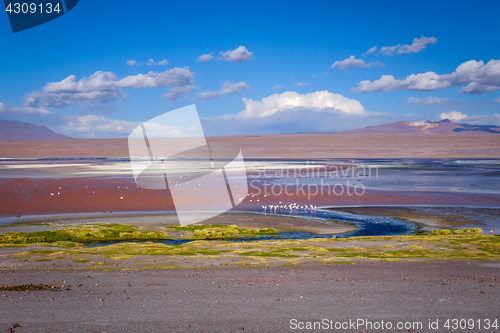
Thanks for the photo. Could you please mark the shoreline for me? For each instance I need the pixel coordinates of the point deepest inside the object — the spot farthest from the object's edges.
(427, 216)
(159, 220)
(431, 216)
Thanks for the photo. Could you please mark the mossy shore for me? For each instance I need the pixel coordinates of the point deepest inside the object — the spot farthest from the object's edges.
(124, 232)
(26, 251)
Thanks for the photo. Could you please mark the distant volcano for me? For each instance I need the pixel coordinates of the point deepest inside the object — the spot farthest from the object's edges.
(17, 130)
(445, 126)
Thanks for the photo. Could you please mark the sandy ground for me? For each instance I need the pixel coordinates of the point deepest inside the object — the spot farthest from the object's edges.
(254, 300)
(159, 221)
(305, 146)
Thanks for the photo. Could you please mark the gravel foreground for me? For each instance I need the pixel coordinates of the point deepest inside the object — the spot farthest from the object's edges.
(254, 299)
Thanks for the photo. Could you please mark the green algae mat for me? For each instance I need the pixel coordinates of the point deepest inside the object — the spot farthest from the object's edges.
(64, 249)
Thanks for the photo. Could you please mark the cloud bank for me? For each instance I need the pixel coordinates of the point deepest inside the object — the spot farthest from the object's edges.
(291, 101)
(479, 77)
(454, 115)
(102, 87)
(480, 119)
(92, 126)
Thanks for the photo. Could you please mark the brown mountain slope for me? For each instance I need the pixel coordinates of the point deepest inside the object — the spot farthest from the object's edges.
(17, 130)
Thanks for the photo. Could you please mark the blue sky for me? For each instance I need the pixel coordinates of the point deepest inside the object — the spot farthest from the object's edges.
(283, 43)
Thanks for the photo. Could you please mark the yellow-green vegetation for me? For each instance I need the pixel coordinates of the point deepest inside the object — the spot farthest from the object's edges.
(218, 231)
(122, 232)
(83, 234)
(464, 231)
(467, 244)
(25, 224)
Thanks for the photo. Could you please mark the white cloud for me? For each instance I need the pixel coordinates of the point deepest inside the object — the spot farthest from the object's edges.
(480, 77)
(291, 101)
(227, 89)
(175, 92)
(428, 100)
(349, 62)
(483, 119)
(76, 126)
(300, 84)
(389, 50)
(480, 119)
(92, 126)
(278, 86)
(151, 62)
(175, 77)
(353, 62)
(104, 87)
(239, 55)
(454, 115)
(417, 45)
(132, 62)
(497, 99)
(205, 57)
(25, 110)
(371, 50)
(291, 112)
(99, 87)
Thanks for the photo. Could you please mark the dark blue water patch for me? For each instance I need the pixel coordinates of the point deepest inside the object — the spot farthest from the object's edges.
(368, 225)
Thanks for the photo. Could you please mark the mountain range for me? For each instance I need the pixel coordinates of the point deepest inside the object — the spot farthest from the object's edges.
(442, 127)
(18, 130)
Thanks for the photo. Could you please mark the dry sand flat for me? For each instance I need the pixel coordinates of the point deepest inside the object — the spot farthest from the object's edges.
(252, 300)
(300, 146)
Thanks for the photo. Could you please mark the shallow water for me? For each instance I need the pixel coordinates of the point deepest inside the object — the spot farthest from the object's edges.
(435, 175)
(478, 176)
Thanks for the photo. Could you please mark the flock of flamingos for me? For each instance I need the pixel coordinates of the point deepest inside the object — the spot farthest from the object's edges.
(290, 207)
